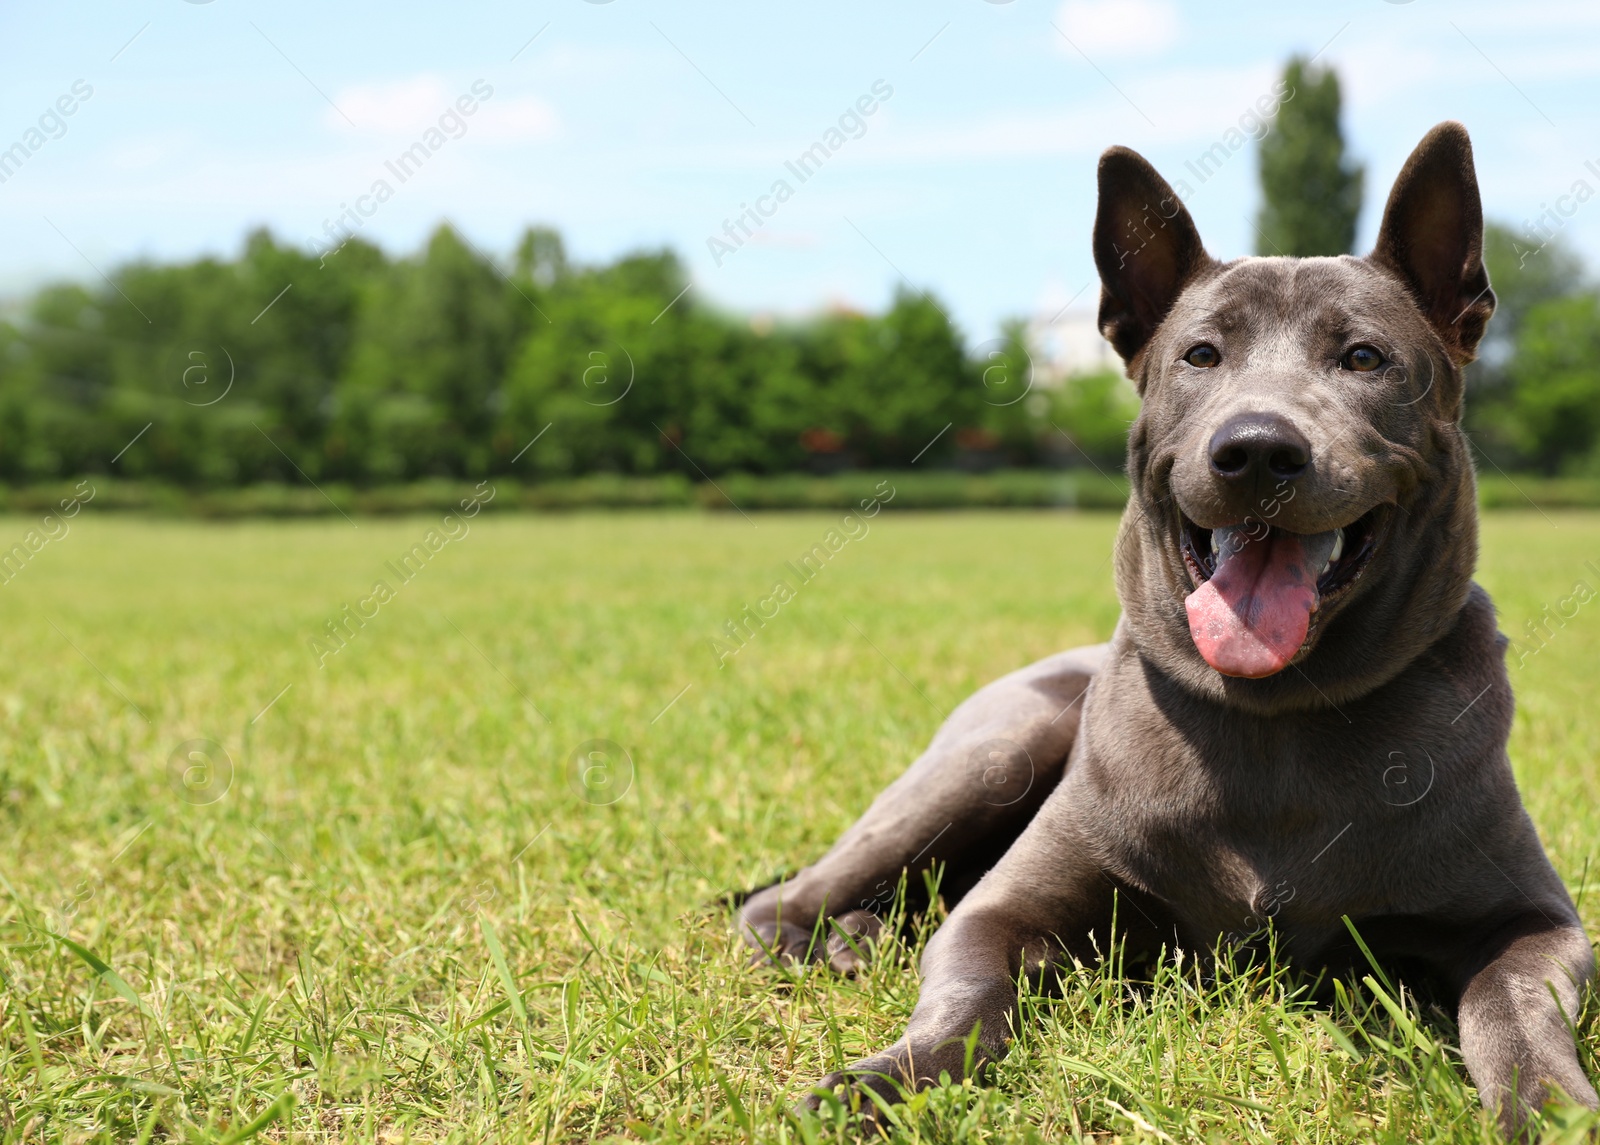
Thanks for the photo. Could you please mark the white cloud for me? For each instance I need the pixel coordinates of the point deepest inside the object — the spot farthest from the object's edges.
(783, 239)
(1191, 107)
(600, 63)
(1194, 104)
(403, 109)
(515, 119)
(1103, 28)
(1537, 16)
(147, 152)
(1369, 81)
(1005, 134)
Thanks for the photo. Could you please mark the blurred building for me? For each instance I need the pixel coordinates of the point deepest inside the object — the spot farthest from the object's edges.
(1069, 342)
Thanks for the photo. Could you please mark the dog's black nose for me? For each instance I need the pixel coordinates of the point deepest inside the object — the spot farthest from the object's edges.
(1253, 445)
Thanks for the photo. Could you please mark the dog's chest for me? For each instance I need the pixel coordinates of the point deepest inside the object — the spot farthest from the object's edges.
(1237, 821)
(1289, 845)
(1221, 879)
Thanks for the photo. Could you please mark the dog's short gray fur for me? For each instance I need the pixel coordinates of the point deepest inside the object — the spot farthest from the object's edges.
(1368, 779)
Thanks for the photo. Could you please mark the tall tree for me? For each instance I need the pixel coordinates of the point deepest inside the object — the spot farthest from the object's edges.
(1311, 192)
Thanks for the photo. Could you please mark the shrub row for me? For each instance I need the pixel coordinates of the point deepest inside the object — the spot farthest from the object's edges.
(1003, 489)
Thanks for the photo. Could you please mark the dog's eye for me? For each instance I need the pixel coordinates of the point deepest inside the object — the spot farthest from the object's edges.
(1362, 359)
(1203, 356)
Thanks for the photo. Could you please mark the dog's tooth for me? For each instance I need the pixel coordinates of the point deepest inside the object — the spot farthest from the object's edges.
(1333, 553)
(1214, 545)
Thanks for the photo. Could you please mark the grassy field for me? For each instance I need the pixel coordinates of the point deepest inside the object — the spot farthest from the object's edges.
(404, 895)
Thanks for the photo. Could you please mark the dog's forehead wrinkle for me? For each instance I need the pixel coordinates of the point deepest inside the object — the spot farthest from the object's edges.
(1246, 296)
(1311, 307)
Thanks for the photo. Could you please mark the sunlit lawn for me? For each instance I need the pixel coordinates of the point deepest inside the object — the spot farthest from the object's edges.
(401, 899)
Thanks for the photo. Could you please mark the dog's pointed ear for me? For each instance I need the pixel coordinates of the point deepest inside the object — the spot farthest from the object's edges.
(1145, 246)
(1432, 237)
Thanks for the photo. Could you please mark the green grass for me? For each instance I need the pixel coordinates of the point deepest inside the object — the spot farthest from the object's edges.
(405, 917)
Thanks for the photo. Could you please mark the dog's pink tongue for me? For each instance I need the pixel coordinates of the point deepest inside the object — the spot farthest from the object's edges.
(1251, 617)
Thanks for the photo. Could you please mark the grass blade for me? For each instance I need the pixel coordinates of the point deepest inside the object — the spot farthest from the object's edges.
(103, 968)
(1339, 1038)
(492, 941)
(1401, 1019)
(279, 1108)
(1367, 952)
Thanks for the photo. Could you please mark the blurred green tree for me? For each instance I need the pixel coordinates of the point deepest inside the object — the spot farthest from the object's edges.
(1310, 191)
(1092, 412)
(1550, 413)
(279, 365)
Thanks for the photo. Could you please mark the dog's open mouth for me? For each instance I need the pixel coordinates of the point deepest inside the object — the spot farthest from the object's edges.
(1257, 588)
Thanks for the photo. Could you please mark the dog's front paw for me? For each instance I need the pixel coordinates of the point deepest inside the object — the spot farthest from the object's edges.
(780, 927)
(852, 940)
(777, 927)
(863, 1089)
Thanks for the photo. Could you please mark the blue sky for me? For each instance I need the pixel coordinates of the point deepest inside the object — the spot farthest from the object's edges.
(632, 124)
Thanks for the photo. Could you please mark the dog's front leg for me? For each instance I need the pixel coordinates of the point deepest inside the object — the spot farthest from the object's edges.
(1045, 899)
(969, 984)
(1515, 1020)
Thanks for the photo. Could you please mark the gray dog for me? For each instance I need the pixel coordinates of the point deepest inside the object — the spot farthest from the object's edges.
(1303, 712)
